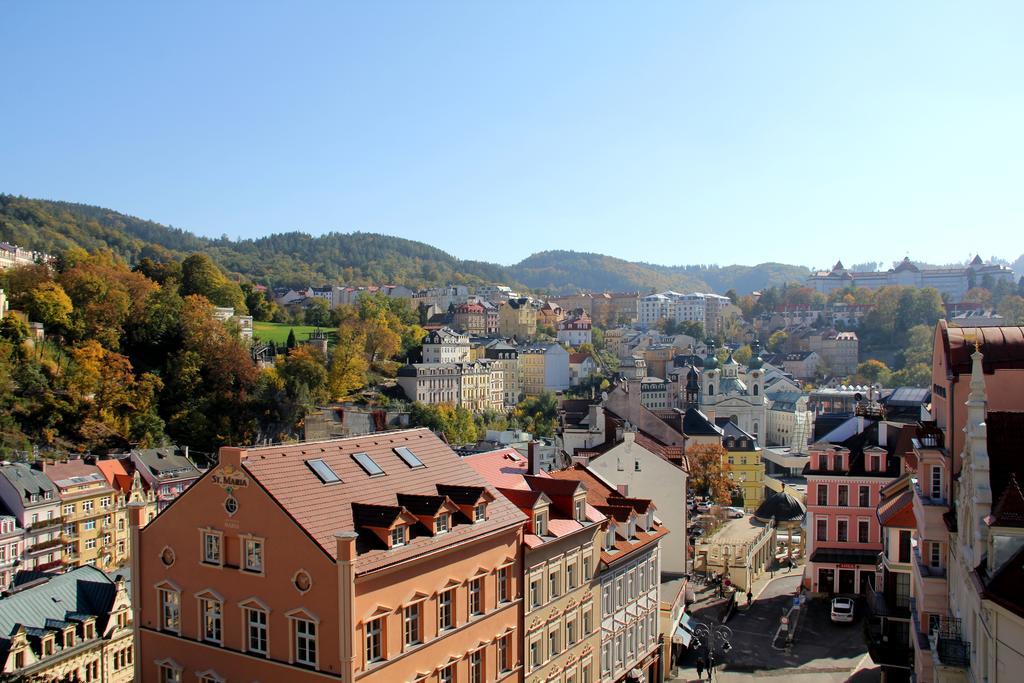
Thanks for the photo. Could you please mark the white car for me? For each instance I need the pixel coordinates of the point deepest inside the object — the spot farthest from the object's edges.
(842, 610)
(734, 513)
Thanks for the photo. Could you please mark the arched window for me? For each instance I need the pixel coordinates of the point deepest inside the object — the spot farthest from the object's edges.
(711, 390)
(755, 390)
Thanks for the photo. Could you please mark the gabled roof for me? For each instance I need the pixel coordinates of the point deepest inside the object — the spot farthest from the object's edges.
(1009, 508)
(323, 510)
(1005, 431)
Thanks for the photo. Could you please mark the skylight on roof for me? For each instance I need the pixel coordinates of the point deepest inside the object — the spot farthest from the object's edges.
(515, 457)
(409, 457)
(322, 470)
(368, 464)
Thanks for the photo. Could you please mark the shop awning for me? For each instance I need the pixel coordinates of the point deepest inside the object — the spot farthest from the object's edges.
(683, 635)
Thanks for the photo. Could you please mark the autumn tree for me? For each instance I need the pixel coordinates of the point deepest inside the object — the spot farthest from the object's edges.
(49, 304)
(708, 469)
(348, 363)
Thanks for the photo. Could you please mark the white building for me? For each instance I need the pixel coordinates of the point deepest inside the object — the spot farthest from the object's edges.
(952, 282)
(227, 314)
(724, 393)
(445, 346)
(704, 308)
(575, 330)
(476, 385)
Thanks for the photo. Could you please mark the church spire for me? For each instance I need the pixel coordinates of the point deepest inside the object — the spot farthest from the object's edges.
(975, 458)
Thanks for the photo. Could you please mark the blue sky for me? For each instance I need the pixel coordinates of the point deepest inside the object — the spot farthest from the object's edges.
(673, 133)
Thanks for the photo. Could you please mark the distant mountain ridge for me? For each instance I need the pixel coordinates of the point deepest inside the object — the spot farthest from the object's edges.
(297, 258)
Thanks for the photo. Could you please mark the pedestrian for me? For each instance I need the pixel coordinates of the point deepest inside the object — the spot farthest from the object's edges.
(700, 668)
(750, 597)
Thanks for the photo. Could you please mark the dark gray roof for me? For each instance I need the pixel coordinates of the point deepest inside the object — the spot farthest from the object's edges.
(909, 396)
(85, 591)
(696, 423)
(27, 481)
(165, 463)
(781, 507)
(733, 436)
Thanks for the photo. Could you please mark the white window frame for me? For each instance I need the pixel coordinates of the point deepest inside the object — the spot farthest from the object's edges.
(211, 607)
(304, 630)
(254, 547)
(206, 535)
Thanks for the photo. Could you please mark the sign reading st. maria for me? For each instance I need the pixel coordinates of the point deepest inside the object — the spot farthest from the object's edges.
(230, 477)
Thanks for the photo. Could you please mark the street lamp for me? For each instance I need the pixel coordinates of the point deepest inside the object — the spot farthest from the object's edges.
(713, 640)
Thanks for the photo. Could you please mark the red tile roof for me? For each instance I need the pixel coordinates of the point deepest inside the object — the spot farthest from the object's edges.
(503, 468)
(322, 510)
(898, 512)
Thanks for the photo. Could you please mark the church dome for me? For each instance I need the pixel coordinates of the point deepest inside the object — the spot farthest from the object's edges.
(711, 362)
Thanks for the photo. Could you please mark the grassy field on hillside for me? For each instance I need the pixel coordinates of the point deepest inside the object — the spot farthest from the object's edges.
(278, 332)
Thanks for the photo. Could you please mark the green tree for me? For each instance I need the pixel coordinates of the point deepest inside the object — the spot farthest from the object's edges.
(919, 345)
(290, 342)
(348, 363)
(318, 312)
(1012, 309)
(872, 371)
(743, 354)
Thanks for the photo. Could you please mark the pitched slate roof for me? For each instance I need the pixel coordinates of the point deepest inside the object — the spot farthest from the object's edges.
(696, 423)
(325, 509)
(1004, 587)
(1005, 431)
(85, 591)
(28, 481)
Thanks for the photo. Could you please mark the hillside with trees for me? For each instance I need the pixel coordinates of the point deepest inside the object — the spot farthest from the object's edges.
(298, 259)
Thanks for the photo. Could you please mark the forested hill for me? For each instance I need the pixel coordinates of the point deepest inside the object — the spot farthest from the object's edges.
(296, 258)
(570, 270)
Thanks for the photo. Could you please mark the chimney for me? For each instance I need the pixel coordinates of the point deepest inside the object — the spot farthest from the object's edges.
(228, 455)
(860, 424)
(533, 457)
(883, 434)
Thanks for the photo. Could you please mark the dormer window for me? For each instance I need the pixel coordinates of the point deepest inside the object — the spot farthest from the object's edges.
(632, 529)
(609, 537)
(69, 637)
(580, 510)
(48, 646)
(443, 524)
(540, 523)
(88, 630)
(399, 536)
(480, 512)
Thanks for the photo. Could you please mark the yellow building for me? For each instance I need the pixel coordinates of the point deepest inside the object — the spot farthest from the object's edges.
(561, 590)
(93, 513)
(72, 627)
(517, 318)
(746, 466)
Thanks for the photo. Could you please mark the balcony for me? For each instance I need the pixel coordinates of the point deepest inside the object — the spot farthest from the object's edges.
(45, 524)
(929, 585)
(928, 512)
(948, 646)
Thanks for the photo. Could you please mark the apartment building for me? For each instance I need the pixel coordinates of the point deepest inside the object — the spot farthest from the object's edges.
(634, 465)
(34, 502)
(704, 308)
(561, 611)
(544, 367)
(888, 623)
(12, 549)
(75, 626)
(470, 318)
(93, 514)
(504, 357)
(517, 318)
(476, 385)
(164, 471)
(629, 574)
(746, 463)
(576, 329)
(445, 346)
(376, 558)
(844, 480)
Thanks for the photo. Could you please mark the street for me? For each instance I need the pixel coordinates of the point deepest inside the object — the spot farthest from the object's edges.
(821, 651)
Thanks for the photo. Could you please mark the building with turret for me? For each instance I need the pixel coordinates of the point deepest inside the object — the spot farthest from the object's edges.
(950, 282)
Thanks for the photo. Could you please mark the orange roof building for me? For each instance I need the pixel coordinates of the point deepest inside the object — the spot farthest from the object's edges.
(376, 558)
(629, 574)
(561, 544)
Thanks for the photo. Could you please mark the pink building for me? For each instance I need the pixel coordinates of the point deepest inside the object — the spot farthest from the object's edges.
(12, 547)
(844, 481)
